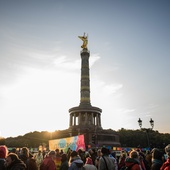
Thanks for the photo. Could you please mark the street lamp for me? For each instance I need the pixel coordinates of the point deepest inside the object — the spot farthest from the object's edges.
(152, 123)
(146, 130)
(140, 123)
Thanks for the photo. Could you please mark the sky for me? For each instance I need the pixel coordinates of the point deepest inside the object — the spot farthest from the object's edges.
(129, 44)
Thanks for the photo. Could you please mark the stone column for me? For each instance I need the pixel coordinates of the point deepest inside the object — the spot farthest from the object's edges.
(79, 118)
(70, 120)
(74, 119)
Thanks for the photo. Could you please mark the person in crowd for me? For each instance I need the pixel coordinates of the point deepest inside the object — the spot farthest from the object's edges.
(81, 153)
(14, 163)
(157, 160)
(93, 155)
(142, 160)
(132, 162)
(148, 157)
(105, 162)
(99, 154)
(57, 159)
(89, 163)
(14, 150)
(122, 159)
(113, 155)
(3, 155)
(76, 162)
(166, 164)
(61, 152)
(44, 154)
(39, 158)
(48, 162)
(69, 153)
(28, 159)
(64, 162)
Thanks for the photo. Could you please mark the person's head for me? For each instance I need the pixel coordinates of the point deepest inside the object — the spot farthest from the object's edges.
(113, 154)
(99, 152)
(74, 154)
(3, 151)
(25, 152)
(167, 150)
(87, 154)
(12, 157)
(156, 154)
(105, 151)
(64, 157)
(57, 151)
(52, 154)
(134, 155)
(91, 151)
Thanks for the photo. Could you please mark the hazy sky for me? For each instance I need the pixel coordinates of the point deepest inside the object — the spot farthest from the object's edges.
(129, 44)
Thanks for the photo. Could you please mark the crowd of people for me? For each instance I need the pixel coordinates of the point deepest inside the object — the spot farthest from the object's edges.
(93, 159)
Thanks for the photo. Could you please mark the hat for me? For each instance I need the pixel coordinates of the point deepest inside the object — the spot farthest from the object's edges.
(3, 151)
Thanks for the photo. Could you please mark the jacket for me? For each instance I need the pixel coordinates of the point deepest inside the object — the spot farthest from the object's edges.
(17, 165)
(76, 164)
(48, 164)
(133, 163)
(166, 165)
(105, 162)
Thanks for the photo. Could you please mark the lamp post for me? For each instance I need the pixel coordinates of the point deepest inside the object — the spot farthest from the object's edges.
(152, 123)
(146, 129)
(140, 123)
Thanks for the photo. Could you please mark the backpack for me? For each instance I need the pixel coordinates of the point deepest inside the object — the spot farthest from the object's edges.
(128, 167)
(43, 167)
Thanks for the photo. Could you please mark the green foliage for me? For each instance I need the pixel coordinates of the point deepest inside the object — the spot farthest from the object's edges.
(143, 138)
(128, 138)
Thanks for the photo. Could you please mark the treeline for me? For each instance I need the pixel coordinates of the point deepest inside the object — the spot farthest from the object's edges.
(128, 138)
(143, 138)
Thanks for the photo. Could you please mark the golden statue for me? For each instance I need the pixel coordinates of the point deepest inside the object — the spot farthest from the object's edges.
(84, 38)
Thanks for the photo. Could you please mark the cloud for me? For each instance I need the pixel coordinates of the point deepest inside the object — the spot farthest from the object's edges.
(112, 88)
(107, 89)
(66, 63)
(93, 59)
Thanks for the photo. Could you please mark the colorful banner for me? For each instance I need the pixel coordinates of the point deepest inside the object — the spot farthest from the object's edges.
(74, 143)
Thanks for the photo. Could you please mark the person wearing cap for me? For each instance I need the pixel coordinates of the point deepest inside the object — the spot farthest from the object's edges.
(3, 154)
(48, 162)
(166, 165)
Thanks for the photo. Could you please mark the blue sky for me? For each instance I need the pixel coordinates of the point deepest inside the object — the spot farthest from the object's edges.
(129, 44)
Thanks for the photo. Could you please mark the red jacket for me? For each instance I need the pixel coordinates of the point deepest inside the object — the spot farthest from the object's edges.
(166, 165)
(134, 164)
(48, 164)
